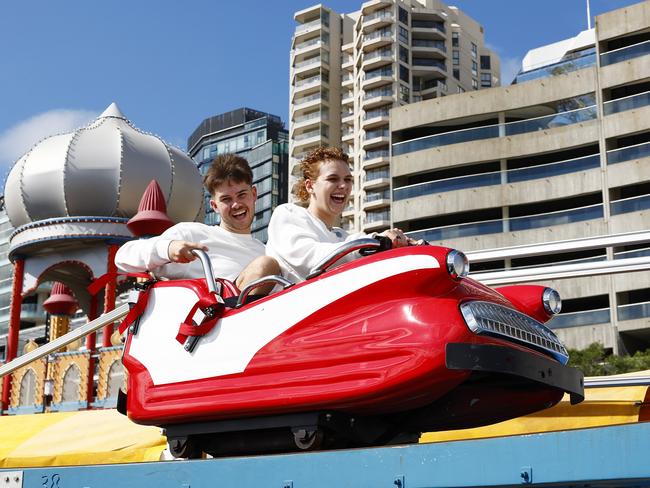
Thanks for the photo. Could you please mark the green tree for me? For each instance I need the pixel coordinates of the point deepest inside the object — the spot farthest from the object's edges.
(595, 361)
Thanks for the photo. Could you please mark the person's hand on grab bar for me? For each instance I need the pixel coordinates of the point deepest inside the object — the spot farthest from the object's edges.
(181, 251)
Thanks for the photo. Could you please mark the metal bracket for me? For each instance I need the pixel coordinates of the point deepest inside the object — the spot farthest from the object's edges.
(11, 479)
(526, 475)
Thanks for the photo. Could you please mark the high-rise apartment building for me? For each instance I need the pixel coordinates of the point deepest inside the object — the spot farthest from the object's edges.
(564, 153)
(349, 70)
(258, 137)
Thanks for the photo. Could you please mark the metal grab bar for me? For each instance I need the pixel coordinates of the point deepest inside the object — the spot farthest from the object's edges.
(207, 269)
(192, 341)
(345, 249)
(265, 280)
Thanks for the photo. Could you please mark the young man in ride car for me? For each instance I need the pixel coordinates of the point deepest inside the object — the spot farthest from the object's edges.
(235, 254)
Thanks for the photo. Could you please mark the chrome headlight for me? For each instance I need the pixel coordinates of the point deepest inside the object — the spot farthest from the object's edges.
(552, 301)
(457, 264)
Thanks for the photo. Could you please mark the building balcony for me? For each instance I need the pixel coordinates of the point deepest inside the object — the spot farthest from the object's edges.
(378, 19)
(307, 103)
(347, 117)
(376, 225)
(347, 136)
(309, 137)
(376, 59)
(347, 80)
(430, 67)
(378, 97)
(305, 121)
(306, 47)
(427, 48)
(377, 138)
(428, 29)
(375, 118)
(377, 39)
(540, 222)
(347, 98)
(377, 81)
(305, 85)
(304, 30)
(371, 6)
(376, 204)
(376, 183)
(534, 125)
(308, 66)
(375, 158)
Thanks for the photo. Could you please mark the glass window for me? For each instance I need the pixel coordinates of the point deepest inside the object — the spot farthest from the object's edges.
(403, 35)
(71, 382)
(115, 379)
(474, 68)
(461, 89)
(403, 54)
(456, 72)
(456, 57)
(474, 51)
(403, 16)
(474, 84)
(27, 394)
(455, 39)
(485, 62)
(403, 73)
(486, 80)
(325, 17)
(404, 93)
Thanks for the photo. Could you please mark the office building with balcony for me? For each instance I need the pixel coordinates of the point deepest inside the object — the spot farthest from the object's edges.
(349, 69)
(562, 153)
(258, 137)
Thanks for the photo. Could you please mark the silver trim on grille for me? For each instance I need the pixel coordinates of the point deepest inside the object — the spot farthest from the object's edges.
(493, 319)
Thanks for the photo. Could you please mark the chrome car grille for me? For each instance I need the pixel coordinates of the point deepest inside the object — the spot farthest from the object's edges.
(496, 320)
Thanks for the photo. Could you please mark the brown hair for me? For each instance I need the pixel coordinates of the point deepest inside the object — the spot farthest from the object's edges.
(310, 168)
(227, 167)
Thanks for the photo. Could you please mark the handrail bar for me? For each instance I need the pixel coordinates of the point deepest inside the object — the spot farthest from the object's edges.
(64, 340)
(585, 243)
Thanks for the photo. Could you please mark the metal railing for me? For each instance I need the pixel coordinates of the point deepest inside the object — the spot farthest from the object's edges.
(626, 103)
(496, 130)
(625, 53)
(498, 177)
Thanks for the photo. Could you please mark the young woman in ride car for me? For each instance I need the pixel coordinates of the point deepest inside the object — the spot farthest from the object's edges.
(300, 237)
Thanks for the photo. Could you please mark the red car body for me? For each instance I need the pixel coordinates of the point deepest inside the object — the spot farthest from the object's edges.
(382, 336)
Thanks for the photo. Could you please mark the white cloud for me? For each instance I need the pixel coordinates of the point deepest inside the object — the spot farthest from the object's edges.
(509, 69)
(17, 140)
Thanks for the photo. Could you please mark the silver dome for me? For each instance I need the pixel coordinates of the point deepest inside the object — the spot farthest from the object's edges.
(101, 170)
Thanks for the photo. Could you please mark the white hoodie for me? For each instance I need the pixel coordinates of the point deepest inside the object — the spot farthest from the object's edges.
(298, 240)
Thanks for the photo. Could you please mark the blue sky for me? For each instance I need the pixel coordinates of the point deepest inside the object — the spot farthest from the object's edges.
(170, 64)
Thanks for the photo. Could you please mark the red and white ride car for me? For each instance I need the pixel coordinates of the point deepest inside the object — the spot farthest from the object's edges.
(371, 352)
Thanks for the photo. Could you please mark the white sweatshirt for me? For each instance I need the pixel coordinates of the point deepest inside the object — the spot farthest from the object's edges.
(298, 240)
(230, 253)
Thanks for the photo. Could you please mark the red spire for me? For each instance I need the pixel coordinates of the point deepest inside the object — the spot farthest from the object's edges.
(61, 300)
(151, 219)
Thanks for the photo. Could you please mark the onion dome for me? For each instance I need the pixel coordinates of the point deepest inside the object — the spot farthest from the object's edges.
(101, 170)
(85, 185)
(61, 300)
(151, 219)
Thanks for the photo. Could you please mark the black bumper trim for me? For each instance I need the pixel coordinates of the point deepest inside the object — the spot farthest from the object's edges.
(506, 360)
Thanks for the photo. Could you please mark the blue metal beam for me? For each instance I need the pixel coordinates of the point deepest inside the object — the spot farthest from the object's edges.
(607, 456)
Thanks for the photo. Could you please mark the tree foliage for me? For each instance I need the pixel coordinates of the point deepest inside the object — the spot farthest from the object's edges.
(595, 361)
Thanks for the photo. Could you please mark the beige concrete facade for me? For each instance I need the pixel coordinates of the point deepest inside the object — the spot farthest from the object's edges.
(390, 53)
(562, 154)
